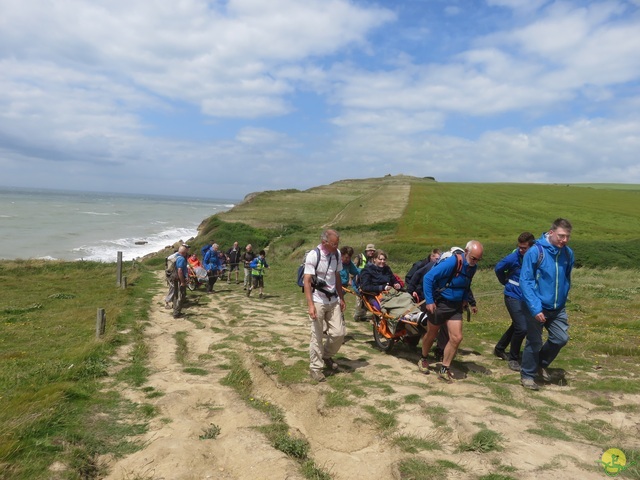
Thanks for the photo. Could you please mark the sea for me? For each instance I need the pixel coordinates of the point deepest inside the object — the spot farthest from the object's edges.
(65, 225)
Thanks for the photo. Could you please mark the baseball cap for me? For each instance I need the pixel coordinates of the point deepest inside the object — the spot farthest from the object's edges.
(371, 246)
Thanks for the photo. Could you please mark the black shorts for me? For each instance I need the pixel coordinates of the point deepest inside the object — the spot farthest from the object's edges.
(446, 310)
(233, 267)
(259, 282)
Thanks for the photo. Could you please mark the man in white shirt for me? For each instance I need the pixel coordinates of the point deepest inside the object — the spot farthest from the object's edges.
(323, 292)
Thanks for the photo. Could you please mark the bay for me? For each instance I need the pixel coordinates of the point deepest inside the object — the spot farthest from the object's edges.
(65, 225)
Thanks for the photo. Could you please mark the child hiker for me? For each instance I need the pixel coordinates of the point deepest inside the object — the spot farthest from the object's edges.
(258, 266)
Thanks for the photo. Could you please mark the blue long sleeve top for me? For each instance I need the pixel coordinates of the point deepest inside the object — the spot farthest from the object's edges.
(545, 278)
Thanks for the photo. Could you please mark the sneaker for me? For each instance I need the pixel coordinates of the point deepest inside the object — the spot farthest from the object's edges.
(423, 365)
(179, 315)
(514, 365)
(445, 374)
(544, 375)
(167, 305)
(500, 354)
(317, 375)
(330, 363)
(529, 384)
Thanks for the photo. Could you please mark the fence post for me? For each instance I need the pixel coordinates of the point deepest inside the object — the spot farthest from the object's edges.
(123, 284)
(101, 322)
(119, 270)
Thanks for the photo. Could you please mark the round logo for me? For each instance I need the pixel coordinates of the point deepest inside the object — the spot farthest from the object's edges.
(613, 461)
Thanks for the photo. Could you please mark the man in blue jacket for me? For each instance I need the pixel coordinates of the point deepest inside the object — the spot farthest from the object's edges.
(545, 280)
(212, 265)
(447, 293)
(508, 272)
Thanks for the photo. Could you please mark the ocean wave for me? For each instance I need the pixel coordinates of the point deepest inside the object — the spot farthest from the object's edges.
(107, 250)
(100, 213)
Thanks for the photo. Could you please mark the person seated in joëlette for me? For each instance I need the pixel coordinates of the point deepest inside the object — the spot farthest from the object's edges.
(378, 279)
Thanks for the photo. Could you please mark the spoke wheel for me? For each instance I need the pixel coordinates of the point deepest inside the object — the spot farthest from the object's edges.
(383, 343)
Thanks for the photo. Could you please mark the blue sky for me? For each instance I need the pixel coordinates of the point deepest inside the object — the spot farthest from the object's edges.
(224, 98)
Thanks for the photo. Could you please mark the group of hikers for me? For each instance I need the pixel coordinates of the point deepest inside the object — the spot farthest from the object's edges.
(181, 267)
(434, 295)
(437, 290)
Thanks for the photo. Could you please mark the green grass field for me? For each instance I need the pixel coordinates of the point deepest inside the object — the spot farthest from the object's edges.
(59, 403)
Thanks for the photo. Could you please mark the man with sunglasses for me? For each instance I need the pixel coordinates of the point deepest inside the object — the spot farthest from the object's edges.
(447, 294)
(545, 280)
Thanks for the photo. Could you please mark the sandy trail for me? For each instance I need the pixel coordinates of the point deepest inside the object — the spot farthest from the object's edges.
(343, 440)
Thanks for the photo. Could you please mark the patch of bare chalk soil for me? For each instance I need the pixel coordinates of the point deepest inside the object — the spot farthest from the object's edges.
(387, 400)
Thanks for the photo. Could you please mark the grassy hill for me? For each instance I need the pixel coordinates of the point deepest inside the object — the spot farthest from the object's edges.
(408, 216)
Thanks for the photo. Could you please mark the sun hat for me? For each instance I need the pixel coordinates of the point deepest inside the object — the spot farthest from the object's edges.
(371, 246)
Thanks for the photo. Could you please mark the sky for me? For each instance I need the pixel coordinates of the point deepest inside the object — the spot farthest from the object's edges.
(220, 99)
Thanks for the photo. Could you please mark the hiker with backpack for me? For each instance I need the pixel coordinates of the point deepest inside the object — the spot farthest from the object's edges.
(170, 276)
(545, 280)
(325, 304)
(508, 272)
(234, 255)
(246, 259)
(177, 272)
(447, 289)
(258, 265)
(212, 266)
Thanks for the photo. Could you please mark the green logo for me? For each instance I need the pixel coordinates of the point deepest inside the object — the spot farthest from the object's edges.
(614, 461)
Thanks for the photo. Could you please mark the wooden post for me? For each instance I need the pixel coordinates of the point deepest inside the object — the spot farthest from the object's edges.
(119, 270)
(101, 322)
(124, 282)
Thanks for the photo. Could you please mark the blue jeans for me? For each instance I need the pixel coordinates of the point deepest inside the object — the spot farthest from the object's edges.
(535, 354)
(517, 331)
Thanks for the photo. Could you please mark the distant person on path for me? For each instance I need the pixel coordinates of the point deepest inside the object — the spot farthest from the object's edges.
(545, 280)
(258, 265)
(325, 304)
(212, 266)
(508, 272)
(181, 279)
(360, 313)
(234, 255)
(247, 258)
(446, 295)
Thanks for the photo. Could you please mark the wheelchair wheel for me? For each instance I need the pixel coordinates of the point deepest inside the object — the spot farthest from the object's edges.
(383, 343)
(192, 284)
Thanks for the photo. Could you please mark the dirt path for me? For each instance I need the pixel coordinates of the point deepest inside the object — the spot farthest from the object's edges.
(344, 440)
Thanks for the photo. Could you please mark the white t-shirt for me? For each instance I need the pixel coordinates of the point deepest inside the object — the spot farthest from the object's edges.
(327, 269)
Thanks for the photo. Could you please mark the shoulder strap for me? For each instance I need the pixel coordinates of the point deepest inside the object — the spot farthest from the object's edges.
(456, 271)
(540, 254)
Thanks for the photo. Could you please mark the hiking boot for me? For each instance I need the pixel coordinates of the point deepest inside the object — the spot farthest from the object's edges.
(445, 374)
(248, 292)
(317, 375)
(544, 375)
(500, 354)
(330, 363)
(514, 365)
(529, 384)
(423, 365)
